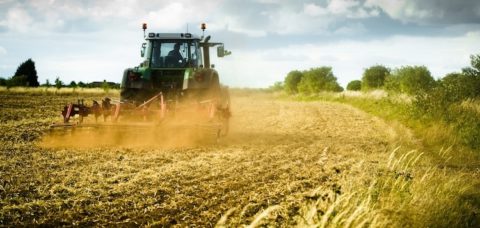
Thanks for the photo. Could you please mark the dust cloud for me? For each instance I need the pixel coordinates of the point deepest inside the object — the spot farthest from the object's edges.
(182, 131)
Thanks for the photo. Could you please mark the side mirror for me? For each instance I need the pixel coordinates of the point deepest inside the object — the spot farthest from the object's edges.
(220, 51)
(142, 51)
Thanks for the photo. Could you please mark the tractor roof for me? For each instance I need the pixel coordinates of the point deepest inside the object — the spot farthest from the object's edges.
(173, 36)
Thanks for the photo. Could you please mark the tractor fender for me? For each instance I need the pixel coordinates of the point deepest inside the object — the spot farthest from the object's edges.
(125, 78)
(132, 87)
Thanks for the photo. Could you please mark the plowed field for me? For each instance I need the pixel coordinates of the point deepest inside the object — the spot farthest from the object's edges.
(279, 156)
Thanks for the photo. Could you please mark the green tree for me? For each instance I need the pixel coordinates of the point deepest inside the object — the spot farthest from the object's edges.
(459, 86)
(105, 86)
(47, 83)
(81, 84)
(318, 79)
(58, 83)
(354, 85)
(410, 80)
(28, 70)
(3, 81)
(473, 73)
(374, 77)
(474, 69)
(291, 81)
(72, 84)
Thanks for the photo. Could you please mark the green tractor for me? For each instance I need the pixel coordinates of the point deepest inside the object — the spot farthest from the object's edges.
(175, 83)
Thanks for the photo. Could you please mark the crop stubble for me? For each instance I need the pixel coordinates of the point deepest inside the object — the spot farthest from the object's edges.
(277, 152)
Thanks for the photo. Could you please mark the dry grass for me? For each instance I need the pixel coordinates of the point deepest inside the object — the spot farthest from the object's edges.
(284, 164)
(62, 91)
(472, 105)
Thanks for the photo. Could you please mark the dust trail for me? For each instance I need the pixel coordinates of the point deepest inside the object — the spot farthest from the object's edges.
(171, 136)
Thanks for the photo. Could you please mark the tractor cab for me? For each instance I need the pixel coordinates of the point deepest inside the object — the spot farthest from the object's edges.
(174, 64)
(174, 50)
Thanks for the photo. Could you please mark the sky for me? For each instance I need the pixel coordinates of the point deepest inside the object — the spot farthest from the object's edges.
(93, 40)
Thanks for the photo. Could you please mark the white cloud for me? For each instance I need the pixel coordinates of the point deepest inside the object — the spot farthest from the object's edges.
(290, 18)
(248, 32)
(3, 51)
(312, 9)
(114, 9)
(17, 19)
(351, 29)
(174, 16)
(285, 21)
(342, 6)
(268, 1)
(170, 17)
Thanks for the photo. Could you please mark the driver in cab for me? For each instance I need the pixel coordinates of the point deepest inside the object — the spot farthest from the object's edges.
(175, 55)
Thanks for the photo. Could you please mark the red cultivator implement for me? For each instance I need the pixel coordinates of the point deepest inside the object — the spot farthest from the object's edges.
(207, 117)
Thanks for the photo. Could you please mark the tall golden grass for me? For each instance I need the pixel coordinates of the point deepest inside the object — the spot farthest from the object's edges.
(406, 191)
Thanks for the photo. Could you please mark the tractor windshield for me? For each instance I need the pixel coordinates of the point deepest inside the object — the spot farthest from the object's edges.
(174, 54)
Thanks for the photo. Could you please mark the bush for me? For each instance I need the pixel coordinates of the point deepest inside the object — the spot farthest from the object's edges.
(452, 89)
(354, 85)
(318, 79)
(105, 86)
(444, 103)
(19, 80)
(291, 81)
(374, 77)
(277, 86)
(467, 125)
(3, 82)
(460, 87)
(58, 83)
(47, 83)
(410, 80)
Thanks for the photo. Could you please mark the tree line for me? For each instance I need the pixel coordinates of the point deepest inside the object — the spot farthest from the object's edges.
(410, 80)
(26, 76)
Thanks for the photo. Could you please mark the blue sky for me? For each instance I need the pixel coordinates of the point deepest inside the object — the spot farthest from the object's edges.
(92, 40)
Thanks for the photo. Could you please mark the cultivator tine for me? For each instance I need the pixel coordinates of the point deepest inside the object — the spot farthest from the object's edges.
(211, 110)
(162, 107)
(117, 112)
(95, 109)
(106, 108)
(67, 114)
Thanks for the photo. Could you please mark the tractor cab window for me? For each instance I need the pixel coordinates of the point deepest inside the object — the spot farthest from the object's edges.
(174, 54)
